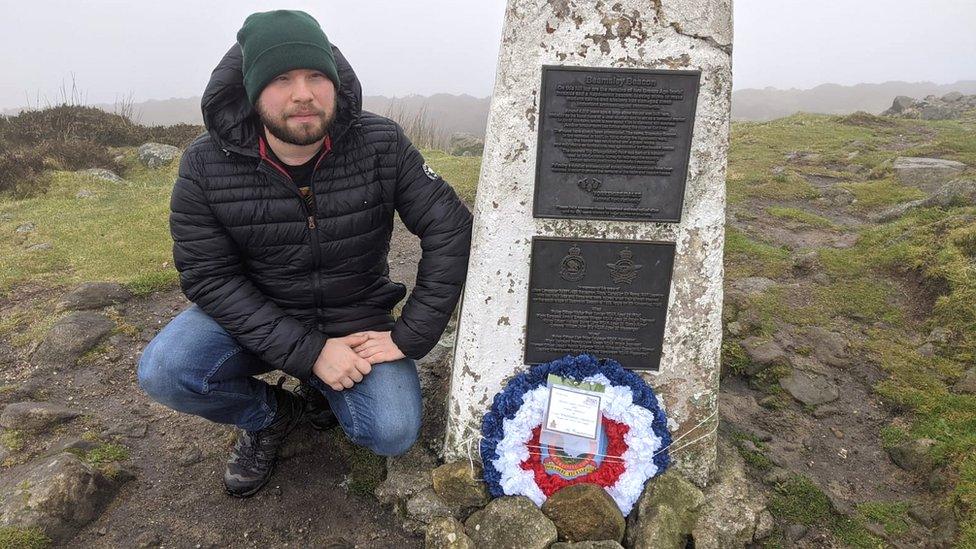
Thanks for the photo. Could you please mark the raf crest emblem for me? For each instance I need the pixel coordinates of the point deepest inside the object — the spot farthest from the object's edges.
(572, 267)
(624, 270)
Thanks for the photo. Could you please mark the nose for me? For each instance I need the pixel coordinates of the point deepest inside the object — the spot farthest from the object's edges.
(301, 91)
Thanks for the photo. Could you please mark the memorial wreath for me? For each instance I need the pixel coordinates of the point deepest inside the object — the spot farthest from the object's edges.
(633, 445)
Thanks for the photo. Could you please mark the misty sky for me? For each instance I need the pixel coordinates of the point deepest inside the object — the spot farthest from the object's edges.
(158, 50)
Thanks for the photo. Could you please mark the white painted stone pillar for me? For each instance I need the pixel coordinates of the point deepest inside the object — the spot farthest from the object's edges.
(663, 34)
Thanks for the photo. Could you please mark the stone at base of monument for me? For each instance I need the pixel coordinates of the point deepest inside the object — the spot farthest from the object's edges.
(587, 157)
(607, 298)
(731, 512)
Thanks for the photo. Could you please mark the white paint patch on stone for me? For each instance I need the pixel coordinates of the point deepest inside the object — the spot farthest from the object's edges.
(679, 35)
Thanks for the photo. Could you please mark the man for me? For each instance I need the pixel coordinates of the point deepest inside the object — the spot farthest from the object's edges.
(281, 221)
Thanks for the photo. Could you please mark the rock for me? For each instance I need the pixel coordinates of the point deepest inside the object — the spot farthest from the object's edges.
(753, 285)
(665, 514)
(70, 337)
(406, 475)
(967, 382)
(190, 456)
(958, 192)
(510, 523)
(914, 455)
(603, 544)
(734, 510)
(735, 328)
(950, 106)
(423, 506)
(157, 155)
(58, 495)
(447, 533)
(94, 295)
(35, 417)
(585, 512)
(26, 227)
(101, 173)
(939, 336)
(71, 444)
(762, 353)
(810, 389)
(828, 347)
(765, 526)
(901, 103)
(926, 173)
(465, 144)
(39, 246)
(84, 193)
(456, 484)
(926, 350)
(794, 532)
(806, 262)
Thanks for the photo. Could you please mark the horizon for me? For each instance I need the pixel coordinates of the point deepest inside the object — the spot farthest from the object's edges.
(409, 95)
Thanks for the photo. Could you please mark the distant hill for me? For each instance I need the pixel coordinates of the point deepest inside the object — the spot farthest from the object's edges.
(449, 113)
(770, 103)
(464, 113)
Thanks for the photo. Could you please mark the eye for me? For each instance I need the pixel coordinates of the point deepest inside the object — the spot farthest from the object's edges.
(317, 75)
(281, 78)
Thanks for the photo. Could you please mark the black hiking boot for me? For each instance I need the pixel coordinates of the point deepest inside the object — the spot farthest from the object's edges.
(254, 455)
(317, 408)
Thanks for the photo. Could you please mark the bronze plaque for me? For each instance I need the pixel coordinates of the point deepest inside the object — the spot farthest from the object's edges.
(614, 143)
(604, 297)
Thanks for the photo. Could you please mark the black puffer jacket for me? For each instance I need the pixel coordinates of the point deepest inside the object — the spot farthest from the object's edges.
(281, 281)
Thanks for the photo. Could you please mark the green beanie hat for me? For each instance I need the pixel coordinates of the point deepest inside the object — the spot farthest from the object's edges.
(274, 42)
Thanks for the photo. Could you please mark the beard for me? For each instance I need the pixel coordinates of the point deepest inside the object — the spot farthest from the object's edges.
(306, 132)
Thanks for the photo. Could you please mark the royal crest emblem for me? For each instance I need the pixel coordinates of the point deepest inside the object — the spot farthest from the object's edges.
(573, 268)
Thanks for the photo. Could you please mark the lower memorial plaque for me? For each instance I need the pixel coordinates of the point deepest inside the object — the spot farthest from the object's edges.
(605, 297)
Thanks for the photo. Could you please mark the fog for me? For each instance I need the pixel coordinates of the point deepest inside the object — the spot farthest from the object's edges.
(144, 50)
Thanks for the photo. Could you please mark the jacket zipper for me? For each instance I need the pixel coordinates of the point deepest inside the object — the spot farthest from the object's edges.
(280, 174)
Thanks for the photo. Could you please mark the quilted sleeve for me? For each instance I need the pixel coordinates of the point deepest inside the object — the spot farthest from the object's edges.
(430, 209)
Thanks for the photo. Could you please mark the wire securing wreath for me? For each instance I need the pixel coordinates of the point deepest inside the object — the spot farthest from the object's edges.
(633, 448)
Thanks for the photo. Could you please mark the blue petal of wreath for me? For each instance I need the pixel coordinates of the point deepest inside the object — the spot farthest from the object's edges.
(508, 401)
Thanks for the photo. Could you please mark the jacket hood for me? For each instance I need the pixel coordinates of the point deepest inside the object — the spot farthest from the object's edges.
(231, 120)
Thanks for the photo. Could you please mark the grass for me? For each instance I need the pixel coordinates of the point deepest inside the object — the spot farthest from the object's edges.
(892, 516)
(800, 216)
(366, 469)
(746, 257)
(798, 500)
(12, 537)
(121, 234)
(882, 193)
(901, 278)
(461, 172)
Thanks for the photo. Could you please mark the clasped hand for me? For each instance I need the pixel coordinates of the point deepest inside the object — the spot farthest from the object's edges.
(344, 361)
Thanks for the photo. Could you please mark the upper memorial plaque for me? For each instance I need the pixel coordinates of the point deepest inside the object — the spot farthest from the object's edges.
(614, 143)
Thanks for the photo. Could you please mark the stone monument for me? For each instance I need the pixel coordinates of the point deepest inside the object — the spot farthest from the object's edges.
(599, 220)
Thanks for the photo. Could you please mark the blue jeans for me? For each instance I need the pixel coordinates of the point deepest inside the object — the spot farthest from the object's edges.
(194, 366)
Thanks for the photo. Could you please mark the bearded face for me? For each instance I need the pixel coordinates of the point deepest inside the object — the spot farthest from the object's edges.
(298, 106)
